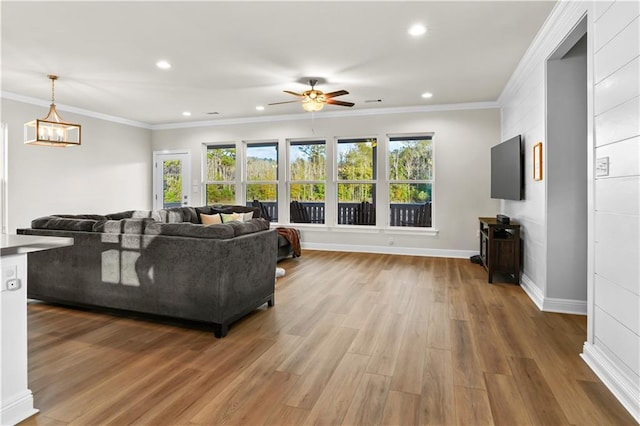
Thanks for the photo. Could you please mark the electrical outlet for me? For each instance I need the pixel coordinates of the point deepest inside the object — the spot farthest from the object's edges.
(13, 284)
(10, 279)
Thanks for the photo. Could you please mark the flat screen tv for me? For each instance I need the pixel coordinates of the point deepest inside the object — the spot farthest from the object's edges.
(507, 170)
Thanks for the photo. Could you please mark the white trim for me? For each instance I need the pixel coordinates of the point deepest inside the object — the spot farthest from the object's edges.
(408, 251)
(626, 391)
(532, 290)
(157, 177)
(550, 304)
(563, 16)
(18, 409)
(4, 179)
(74, 110)
(260, 119)
(328, 114)
(565, 306)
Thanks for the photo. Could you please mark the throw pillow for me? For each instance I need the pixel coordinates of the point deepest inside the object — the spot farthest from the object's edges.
(232, 216)
(210, 219)
(247, 216)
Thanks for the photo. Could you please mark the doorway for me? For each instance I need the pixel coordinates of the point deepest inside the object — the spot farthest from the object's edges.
(566, 171)
(171, 174)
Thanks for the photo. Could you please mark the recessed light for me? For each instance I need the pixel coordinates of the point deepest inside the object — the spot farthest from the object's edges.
(163, 65)
(186, 114)
(260, 108)
(427, 95)
(417, 30)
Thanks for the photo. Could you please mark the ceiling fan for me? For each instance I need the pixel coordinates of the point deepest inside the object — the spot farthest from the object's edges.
(314, 100)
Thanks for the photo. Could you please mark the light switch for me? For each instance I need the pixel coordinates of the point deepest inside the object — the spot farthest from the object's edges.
(602, 167)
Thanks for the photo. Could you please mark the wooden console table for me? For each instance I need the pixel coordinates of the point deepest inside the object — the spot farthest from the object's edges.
(500, 247)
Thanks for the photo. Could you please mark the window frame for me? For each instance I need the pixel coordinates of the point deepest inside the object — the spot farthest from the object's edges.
(245, 170)
(289, 181)
(205, 168)
(388, 181)
(375, 181)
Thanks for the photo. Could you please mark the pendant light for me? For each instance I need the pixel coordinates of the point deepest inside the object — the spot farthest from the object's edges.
(52, 130)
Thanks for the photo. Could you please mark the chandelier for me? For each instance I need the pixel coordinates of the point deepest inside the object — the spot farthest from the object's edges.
(52, 130)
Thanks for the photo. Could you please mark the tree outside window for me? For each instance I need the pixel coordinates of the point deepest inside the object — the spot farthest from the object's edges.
(262, 175)
(410, 180)
(307, 178)
(221, 174)
(356, 176)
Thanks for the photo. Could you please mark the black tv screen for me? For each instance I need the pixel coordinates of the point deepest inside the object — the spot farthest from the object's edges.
(507, 170)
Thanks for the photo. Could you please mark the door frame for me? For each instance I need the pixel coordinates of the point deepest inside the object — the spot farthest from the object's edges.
(157, 176)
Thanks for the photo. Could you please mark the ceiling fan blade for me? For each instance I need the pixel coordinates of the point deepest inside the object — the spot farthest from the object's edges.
(285, 102)
(292, 93)
(336, 93)
(341, 103)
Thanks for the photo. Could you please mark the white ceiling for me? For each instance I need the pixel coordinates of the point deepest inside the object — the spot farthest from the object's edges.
(229, 57)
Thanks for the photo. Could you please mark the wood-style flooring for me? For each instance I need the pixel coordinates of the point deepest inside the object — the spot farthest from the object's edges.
(353, 339)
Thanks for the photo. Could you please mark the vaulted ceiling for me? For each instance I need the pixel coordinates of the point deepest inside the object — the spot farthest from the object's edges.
(229, 57)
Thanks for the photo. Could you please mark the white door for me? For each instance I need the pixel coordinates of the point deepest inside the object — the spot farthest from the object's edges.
(171, 174)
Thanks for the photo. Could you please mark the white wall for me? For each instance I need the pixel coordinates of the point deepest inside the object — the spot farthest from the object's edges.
(613, 307)
(109, 172)
(462, 158)
(614, 342)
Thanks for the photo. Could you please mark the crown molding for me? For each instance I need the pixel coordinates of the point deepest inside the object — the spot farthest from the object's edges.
(565, 15)
(74, 110)
(329, 114)
(260, 119)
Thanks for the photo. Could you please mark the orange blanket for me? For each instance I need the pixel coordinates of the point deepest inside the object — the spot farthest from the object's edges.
(292, 235)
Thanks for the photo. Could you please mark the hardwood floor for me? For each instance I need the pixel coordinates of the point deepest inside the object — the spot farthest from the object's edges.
(353, 339)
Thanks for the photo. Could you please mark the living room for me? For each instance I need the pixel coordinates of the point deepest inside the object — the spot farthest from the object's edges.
(113, 168)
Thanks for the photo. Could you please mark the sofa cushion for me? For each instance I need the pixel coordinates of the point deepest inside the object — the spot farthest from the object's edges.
(80, 216)
(230, 217)
(248, 227)
(124, 226)
(120, 215)
(179, 215)
(64, 224)
(222, 231)
(210, 219)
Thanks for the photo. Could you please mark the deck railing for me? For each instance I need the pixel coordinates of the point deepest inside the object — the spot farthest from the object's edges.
(400, 214)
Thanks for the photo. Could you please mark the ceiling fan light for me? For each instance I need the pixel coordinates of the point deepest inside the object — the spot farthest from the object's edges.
(312, 105)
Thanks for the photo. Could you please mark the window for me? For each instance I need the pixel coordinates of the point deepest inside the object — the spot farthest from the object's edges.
(356, 179)
(262, 176)
(307, 180)
(221, 174)
(410, 180)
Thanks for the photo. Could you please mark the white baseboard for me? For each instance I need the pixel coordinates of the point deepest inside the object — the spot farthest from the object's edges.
(625, 390)
(565, 306)
(550, 304)
(20, 408)
(532, 290)
(408, 251)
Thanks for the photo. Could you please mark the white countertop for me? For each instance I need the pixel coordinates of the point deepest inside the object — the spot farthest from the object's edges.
(19, 244)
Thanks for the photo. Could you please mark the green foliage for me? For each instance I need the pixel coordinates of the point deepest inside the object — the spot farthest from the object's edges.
(172, 181)
(221, 164)
(221, 194)
(309, 165)
(410, 160)
(356, 161)
(307, 192)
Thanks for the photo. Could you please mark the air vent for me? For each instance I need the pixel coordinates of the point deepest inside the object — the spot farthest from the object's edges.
(213, 113)
(369, 101)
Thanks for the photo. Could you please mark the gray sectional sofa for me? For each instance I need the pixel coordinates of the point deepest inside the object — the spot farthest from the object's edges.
(158, 262)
